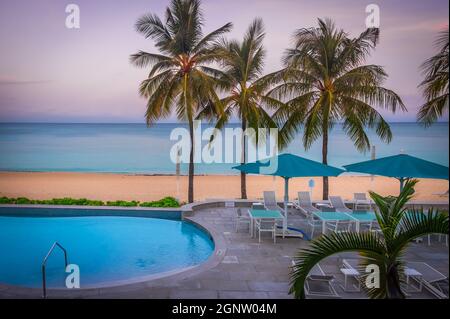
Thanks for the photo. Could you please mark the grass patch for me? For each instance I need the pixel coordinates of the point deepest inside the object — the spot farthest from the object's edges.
(122, 203)
(166, 202)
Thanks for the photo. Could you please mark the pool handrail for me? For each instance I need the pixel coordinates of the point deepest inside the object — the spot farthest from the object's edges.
(44, 282)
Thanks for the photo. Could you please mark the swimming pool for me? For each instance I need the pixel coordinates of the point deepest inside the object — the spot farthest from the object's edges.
(108, 249)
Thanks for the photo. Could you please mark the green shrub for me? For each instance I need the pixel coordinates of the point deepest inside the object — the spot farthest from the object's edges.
(23, 201)
(70, 201)
(6, 200)
(165, 202)
(123, 203)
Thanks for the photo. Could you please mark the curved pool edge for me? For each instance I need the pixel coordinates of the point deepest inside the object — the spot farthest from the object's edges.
(12, 291)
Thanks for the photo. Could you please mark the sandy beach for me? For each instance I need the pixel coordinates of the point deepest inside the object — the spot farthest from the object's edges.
(144, 188)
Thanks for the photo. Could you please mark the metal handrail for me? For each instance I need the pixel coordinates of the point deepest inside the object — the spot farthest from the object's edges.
(44, 282)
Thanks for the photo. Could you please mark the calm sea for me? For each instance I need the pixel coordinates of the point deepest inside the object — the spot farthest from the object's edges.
(134, 148)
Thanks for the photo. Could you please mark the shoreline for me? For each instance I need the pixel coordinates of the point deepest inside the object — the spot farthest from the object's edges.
(113, 186)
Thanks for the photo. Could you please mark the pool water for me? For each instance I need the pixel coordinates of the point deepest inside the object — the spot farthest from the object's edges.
(106, 249)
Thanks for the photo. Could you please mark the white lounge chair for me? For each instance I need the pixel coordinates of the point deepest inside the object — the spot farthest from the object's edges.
(443, 194)
(431, 279)
(270, 201)
(339, 205)
(361, 200)
(351, 268)
(304, 204)
(319, 284)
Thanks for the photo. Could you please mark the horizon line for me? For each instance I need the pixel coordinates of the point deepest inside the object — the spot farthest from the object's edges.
(177, 122)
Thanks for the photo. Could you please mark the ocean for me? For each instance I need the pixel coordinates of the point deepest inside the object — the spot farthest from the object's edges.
(137, 149)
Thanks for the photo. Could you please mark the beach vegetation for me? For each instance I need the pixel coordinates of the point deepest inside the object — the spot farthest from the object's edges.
(435, 84)
(164, 202)
(382, 250)
(182, 77)
(242, 63)
(325, 81)
(122, 203)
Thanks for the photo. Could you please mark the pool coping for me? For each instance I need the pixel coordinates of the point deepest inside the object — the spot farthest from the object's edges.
(13, 291)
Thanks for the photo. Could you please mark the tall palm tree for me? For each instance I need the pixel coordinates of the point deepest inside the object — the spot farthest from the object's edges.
(398, 228)
(243, 63)
(326, 81)
(435, 85)
(181, 76)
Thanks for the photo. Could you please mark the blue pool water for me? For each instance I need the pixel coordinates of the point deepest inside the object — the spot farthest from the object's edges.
(107, 249)
(134, 148)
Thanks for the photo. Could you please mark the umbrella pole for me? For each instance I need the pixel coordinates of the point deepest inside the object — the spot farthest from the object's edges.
(286, 200)
(402, 183)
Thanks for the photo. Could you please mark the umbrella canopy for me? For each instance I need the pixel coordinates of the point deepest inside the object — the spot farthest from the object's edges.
(289, 166)
(402, 167)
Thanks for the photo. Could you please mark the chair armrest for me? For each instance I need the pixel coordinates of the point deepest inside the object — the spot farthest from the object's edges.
(321, 277)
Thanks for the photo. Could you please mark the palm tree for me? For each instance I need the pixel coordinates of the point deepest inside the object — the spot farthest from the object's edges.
(243, 64)
(325, 81)
(181, 78)
(435, 85)
(386, 250)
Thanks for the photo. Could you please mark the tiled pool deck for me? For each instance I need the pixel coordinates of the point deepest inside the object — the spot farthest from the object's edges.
(241, 269)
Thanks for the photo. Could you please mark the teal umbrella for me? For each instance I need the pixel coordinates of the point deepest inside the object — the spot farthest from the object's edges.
(402, 167)
(288, 166)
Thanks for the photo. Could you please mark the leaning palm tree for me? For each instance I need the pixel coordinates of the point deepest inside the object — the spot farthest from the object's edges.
(181, 78)
(386, 250)
(325, 81)
(435, 85)
(243, 64)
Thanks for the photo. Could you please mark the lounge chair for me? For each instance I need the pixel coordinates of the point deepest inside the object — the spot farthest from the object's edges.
(339, 205)
(443, 194)
(360, 199)
(432, 280)
(270, 202)
(304, 204)
(351, 268)
(319, 284)
(439, 238)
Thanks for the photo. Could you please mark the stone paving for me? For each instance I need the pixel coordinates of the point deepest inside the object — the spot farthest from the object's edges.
(243, 268)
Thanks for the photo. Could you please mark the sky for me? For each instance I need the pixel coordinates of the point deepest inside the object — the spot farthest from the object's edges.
(49, 73)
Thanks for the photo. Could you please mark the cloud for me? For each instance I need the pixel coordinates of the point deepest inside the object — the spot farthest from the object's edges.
(9, 82)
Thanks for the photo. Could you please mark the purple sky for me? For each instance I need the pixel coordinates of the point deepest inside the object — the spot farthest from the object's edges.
(49, 73)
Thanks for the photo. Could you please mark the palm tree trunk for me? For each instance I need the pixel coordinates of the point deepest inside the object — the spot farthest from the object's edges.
(325, 161)
(191, 165)
(243, 175)
(393, 290)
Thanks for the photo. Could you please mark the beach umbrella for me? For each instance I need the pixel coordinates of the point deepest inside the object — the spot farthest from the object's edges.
(289, 166)
(402, 167)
